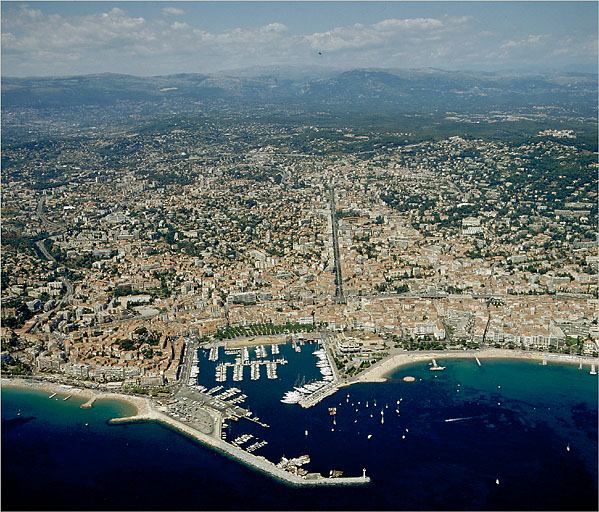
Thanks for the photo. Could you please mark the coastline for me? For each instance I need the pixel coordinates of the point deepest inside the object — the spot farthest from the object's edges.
(378, 372)
(146, 411)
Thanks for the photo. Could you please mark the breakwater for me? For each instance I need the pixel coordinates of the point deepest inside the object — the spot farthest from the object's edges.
(254, 461)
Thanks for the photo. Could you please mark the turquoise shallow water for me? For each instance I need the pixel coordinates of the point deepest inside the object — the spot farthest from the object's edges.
(516, 433)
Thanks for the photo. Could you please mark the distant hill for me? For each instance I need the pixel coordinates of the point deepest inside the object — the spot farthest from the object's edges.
(400, 89)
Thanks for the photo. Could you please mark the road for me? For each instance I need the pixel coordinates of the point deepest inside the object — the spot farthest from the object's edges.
(42, 248)
(339, 297)
(190, 349)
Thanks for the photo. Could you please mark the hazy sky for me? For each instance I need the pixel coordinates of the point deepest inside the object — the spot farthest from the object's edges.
(155, 38)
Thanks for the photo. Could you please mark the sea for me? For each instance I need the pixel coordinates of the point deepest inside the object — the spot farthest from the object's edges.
(508, 435)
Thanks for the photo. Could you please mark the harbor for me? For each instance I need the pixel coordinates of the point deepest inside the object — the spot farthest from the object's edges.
(367, 419)
(212, 407)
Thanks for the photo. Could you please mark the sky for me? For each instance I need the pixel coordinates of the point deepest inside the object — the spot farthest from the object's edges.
(159, 38)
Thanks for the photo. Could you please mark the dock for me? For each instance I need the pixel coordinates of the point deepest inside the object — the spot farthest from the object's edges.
(477, 361)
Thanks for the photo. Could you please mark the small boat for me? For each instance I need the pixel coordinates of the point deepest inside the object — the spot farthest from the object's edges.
(497, 481)
(306, 432)
(568, 447)
(369, 436)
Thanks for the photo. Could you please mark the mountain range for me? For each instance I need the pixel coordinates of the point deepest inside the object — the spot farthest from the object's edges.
(400, 89)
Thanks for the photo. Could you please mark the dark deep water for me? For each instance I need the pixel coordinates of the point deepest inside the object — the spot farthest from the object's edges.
(517, 433)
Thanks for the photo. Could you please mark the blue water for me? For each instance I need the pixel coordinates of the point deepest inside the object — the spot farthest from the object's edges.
(517, 433)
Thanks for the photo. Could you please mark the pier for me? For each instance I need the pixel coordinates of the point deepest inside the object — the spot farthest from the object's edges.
(318, 395)
(477, 361)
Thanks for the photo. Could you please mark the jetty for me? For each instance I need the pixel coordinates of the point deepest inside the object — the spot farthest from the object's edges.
(256, 462)
(318, 395)
(477, 361)
(89, 403)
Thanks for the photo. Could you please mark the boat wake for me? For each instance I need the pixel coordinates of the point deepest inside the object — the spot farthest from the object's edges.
(448, 420)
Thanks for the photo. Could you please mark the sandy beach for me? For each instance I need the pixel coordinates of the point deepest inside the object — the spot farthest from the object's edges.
(378, 371)
(142, 405)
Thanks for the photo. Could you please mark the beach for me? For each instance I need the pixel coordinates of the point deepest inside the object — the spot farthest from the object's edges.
(378, 371)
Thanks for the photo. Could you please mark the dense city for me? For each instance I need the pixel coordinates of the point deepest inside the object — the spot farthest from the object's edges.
(121, 249)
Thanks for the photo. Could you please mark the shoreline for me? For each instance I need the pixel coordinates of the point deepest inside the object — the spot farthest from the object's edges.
(379, 371)
(146, 411)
